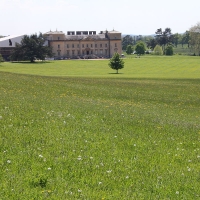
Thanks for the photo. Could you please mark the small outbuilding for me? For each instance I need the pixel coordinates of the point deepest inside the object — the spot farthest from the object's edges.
(7, 44)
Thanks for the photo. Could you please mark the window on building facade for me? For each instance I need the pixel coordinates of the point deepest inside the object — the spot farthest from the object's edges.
(67, 45)
(106, 45)
(58, 38)
(100, 45)
(87, 45)
(77, 45)
(68, 52)
(106, 52)
(115, 44)
(78, 52)
(82, 45)
(72, 45)
(96, 51)
(83, 52)
(72, 52)
(91, 52)
(101, 51)
(95, 45)
(91, 45)
(58, 46)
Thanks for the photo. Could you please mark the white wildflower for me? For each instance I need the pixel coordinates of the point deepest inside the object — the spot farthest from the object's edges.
(177, 192)
(8, 161)
(49, 168)
(1, 117)
(79, 190)
(41, 156)
(79, 158)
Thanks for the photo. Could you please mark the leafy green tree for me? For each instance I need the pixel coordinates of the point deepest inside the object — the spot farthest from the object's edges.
(169, 50)
(127, 40)
(164, 37)
(31, 48)
(116, 62)
(186, 37)
(195, 38)
(129, 49)
(140, 48)
(1, 58)
(158, 50)
(151, 43)
(175, 39)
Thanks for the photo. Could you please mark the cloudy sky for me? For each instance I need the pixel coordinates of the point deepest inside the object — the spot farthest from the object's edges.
(127, 16)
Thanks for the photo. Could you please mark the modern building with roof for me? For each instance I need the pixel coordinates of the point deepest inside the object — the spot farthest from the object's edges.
(84, 44)
(7, 44)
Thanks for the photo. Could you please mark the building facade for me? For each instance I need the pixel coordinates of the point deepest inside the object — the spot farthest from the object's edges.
(84, 44)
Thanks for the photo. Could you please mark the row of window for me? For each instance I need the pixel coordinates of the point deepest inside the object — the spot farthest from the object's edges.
(87, 45)
(73, 52)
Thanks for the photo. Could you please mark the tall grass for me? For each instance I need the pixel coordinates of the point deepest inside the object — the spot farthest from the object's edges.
(98, 138)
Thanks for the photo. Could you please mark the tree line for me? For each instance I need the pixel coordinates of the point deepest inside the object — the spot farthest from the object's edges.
(164, 41)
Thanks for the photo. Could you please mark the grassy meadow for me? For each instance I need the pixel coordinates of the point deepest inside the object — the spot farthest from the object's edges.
(76, 130)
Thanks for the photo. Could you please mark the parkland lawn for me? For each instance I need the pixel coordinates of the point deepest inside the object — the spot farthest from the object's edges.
(76, 130)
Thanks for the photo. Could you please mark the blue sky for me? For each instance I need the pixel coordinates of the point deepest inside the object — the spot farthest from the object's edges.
(127, 16)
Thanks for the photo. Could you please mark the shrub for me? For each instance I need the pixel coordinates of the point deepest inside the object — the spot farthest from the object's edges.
(169, 50)
(158, 50)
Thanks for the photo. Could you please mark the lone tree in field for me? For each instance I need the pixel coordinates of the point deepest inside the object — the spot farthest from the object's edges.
(31, 48)
(116, 62)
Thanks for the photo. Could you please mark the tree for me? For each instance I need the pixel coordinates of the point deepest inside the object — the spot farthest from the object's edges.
(195, 38)
(186, 37)
(176, 39)
(140, 48)
(129, 49)
(151, 43)
(158, 50)
(164, 37)
(169, 50)
(127, 40)
(1, 58)
(116, 62)
(31, 48)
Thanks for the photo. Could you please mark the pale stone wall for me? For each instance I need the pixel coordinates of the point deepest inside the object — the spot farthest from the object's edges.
(73, 46)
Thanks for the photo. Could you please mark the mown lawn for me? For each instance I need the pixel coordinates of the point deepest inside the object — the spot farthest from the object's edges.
(122, 136)
(143, 67)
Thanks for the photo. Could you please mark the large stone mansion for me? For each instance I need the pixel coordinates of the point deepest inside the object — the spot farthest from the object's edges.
(84, 44)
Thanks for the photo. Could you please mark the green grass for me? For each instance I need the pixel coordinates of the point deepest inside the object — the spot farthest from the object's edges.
(125, 136)
(144, 67)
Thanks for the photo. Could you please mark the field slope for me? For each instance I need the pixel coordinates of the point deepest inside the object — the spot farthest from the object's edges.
(107, 137)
